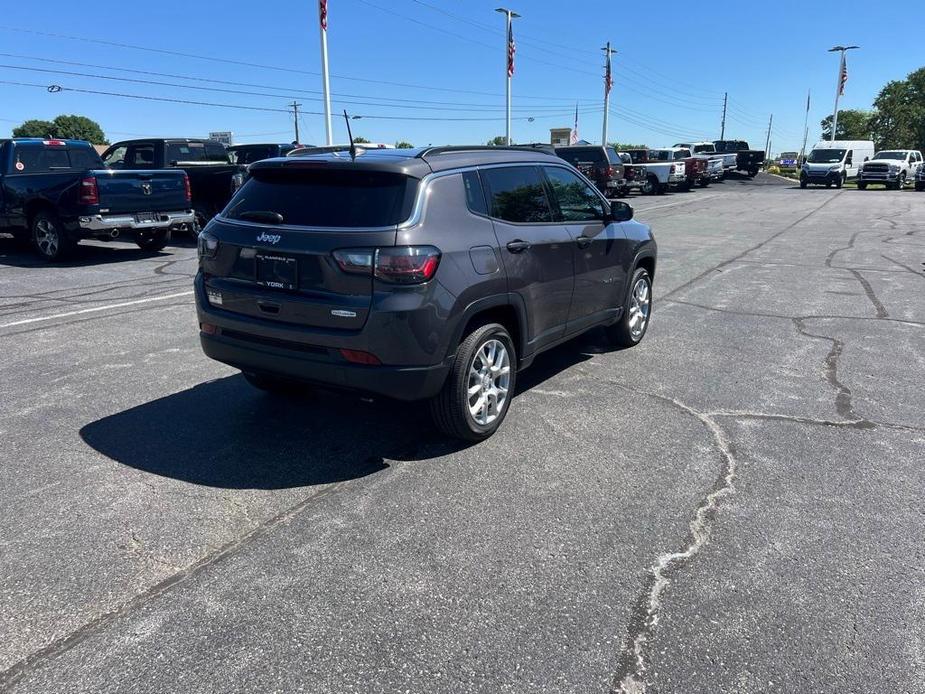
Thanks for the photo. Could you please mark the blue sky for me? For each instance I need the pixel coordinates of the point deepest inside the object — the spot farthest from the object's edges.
(675, 61)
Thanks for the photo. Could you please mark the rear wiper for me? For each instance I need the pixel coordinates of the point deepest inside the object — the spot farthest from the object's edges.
(265, 216)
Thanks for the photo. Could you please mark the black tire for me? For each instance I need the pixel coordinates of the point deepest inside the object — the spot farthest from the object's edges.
(752, 172)
(704, 182)
(803, 183)
(661, 189)
(862, 185)
(202, 216)
(49, 238)
(621, 334)
(841, 180)
(275, 384)
(901, 183)
(650, 187)
(450, 408)
(152, 240)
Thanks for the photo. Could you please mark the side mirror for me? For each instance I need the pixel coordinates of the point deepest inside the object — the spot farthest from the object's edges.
(620, 211)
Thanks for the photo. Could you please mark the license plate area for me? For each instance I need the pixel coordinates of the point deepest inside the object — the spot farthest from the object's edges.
(145, 218)
(277, 271)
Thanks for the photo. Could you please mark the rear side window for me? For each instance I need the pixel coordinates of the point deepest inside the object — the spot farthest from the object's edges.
(517, 194)
(475, 198)
(335, 199)
(612, 156)
(41, 159)
(195, 151)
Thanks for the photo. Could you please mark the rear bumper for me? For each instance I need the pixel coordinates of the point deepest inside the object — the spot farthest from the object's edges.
(399, 382)
(108, 222)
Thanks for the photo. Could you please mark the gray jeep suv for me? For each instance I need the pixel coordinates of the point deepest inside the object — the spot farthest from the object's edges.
(432, 274)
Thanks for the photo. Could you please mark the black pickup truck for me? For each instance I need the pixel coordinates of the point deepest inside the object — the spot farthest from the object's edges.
(56, 192)
(747, 160)
(213, 177)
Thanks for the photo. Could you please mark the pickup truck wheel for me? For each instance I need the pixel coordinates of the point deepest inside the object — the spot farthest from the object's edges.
(803, 182)
(152, 240)
(752, 172)
(49, 238)
(632, 326)
(704, 182)
(901, 183)
(650, 186)
(477, 394)
(274, 384)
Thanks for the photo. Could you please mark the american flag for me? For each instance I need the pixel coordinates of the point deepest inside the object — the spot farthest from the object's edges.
(843, 75)
(573, 138)
(323, 13)
(511, 49)
(608, 76)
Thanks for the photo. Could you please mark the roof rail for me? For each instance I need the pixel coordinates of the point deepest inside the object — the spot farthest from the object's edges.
(450, 149)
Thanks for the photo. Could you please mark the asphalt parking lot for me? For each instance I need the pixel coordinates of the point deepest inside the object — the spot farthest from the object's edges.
(734, 506)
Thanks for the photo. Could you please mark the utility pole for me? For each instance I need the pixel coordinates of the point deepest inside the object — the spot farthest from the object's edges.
(295, 118)
(509, 68)
(325, 81)
(840, 85)
(608, 83)
(722, 127)
(767, 146)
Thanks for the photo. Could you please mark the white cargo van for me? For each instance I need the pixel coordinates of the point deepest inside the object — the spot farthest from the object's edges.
(831, 163)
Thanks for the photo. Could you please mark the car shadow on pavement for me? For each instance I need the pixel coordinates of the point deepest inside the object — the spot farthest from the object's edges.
(226, 434)
(16, 253)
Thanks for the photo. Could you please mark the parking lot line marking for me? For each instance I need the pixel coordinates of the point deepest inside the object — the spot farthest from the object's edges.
(96, 309)
(679, 202)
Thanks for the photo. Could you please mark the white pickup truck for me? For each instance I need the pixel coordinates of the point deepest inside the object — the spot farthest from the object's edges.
(717, 162)
(893, 168)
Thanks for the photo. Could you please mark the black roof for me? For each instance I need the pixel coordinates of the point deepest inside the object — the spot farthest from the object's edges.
(416, 162)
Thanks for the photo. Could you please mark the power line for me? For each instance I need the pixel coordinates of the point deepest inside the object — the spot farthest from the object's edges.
(143, 97)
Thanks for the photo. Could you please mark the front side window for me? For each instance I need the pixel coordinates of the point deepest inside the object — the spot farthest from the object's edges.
(577, 201)
(517, 194)
(116, 158)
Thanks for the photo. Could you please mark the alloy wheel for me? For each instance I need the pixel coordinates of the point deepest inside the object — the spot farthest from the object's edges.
(640, 303)
(489, 381)
(46, 237)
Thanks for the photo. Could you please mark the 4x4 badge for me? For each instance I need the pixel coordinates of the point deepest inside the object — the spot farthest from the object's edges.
(272, 239)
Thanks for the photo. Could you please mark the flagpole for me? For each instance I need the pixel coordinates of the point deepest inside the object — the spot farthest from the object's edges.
(839, 87)
(805, 128)
(608, 83)
(508, 69)
(325, 81)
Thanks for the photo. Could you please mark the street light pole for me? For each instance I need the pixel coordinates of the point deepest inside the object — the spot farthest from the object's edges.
(608, 83)
(840, 85)
(508, 68)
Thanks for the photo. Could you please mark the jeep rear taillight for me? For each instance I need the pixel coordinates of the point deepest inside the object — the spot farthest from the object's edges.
(89, 191)
(407, 264)
(395, 264)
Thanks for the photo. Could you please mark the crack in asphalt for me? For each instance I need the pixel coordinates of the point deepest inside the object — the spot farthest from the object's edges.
(917, 273)
(630, 675)
(812, 316)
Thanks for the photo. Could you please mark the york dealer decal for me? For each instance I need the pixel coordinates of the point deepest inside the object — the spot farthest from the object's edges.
(272, 239)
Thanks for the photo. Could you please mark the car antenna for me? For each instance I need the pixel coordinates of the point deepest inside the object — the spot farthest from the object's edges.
(353, 147)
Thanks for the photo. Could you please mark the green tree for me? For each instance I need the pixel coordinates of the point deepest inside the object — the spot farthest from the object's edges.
(499, 141)
(35, 128)
(853, 124)
(900, 117)
(360, 140)
(622, 146)
(402, 144)
(66, 127)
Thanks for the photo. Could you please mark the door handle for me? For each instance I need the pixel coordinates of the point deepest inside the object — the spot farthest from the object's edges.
(518, 246)
(583, 241)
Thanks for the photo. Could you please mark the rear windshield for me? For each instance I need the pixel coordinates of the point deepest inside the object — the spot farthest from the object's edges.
(195, 151)
(327, 198)
(42, 159)
(587, 155)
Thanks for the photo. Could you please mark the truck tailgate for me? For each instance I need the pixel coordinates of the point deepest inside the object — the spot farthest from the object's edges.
(141, 191)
